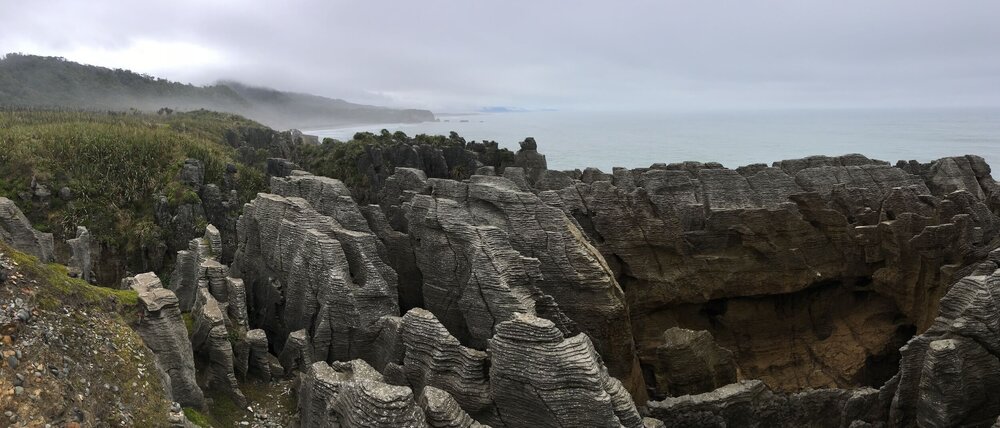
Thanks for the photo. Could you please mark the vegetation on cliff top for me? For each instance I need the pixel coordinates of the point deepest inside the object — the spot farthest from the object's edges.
(114, 165)
(341, 159)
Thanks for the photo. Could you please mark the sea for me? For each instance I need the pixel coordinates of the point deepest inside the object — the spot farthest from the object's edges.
(579, 139)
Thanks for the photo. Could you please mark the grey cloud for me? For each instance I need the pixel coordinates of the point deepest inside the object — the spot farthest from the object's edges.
(449, 55)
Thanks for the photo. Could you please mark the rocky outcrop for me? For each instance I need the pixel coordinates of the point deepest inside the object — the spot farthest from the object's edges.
(306, 270)
(753, 404)
(162, 330)
(702, 247)
(81, 261)
(949, 375)
(442, 411)
(353, 395)
(540, 378)
(496, 250)
(212, 341)
(434, 358)
(16, 231)
(541, 298)
(689, 362)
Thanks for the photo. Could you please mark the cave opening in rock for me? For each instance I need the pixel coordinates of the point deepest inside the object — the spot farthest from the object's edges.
(836, 333)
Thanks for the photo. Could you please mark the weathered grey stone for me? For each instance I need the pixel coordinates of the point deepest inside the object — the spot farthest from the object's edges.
(162, 330)
(302, 269)
(211, 340)
(16, 231)
(81, 259)
(541, 379)
(689, 362)
(442, 411)
(353, 395)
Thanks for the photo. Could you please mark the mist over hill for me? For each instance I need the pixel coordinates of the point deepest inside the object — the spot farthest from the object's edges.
(36, 81)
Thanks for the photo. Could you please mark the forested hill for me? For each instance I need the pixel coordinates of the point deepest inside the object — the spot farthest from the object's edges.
(36, 81)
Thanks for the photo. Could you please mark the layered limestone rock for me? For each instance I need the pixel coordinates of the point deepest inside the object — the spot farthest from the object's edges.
(442, 411)
(541, 379)
(689, 362)
(753, 404)
(184, 281)
(16, 231)
(81, 260)
(495, 250)
(702, 247)
(306, 270)
(353, 395)
(211, 340)
(162, 330)
(950, 374)
(434, 358)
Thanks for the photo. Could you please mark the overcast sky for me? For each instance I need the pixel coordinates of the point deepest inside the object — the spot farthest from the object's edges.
(462, 55)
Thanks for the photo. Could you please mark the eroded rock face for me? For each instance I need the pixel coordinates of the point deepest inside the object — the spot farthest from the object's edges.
(353, 395)
(162, 330)
(809, 273)
(306, 270)
(81, 260)
(691, 242)
(689, 362)
(16, 231)
(540, 378)
(211, 340)
(950, 374)
(495, 250)
(753, 404)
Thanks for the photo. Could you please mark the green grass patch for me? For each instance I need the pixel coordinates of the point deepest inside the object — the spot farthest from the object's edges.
(116, 164)
(197, 418)
(57, 288)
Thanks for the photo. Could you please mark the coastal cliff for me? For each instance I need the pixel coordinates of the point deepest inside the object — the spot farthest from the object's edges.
(471, 289)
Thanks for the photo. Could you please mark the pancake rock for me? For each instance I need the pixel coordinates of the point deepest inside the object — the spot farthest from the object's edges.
(442, 411)
(306, 270)
(211, 340)
(689, 362)
(702, 247)
(16, 231)
(541, 379)
(353, 395)
(950, 374)
(434, 358)
(162, 330)
(495, 249)
(753, 404)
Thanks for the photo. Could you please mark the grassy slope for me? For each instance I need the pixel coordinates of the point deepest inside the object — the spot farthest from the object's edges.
(88, 329)
(115, 164)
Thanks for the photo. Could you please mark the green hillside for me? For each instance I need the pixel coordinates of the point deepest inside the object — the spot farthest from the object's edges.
(51, 82)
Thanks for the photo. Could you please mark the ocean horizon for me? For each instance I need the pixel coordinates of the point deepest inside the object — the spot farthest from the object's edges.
(580, 139)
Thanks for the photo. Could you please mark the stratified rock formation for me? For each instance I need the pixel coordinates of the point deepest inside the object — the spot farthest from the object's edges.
(495, 250)
(844, 257)
(353, 395)
(81, 261)
(539, 378)
(950, 374)
(16, 230)
(163, 331)
(752, 404)
(524, 297)
(304, 269)
(689, 362)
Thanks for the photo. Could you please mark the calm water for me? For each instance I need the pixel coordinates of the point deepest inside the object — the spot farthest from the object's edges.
(580, 139)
